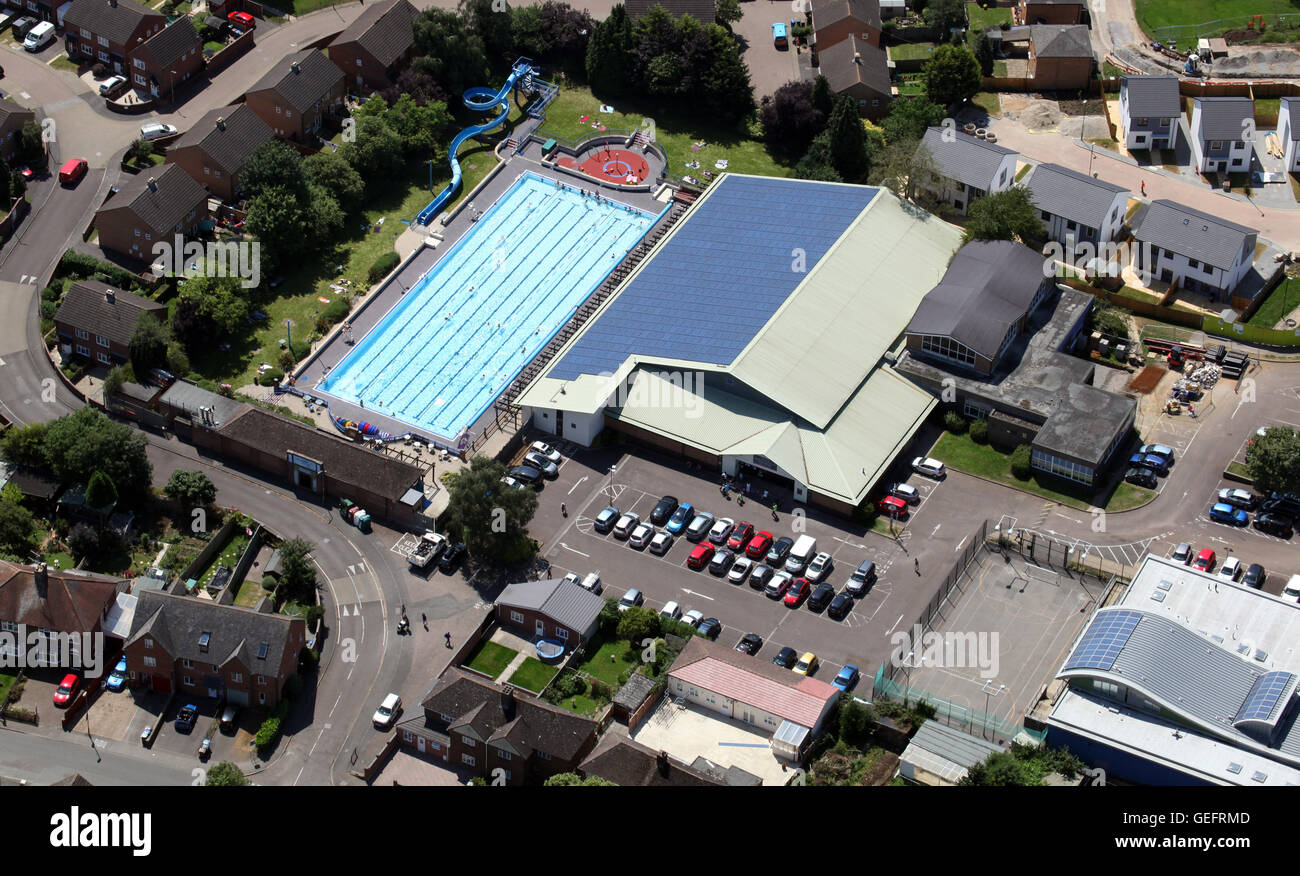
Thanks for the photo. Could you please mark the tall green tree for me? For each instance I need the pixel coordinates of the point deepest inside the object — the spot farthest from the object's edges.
(790, 121)
(945, 15)
(331, 172)
(909, 117)
(225, 775)
(277, 217)
(850, 153)
(377, 151)
(86, 441)
(24, 445)
(220, 299)
(1007, 215)
(1275, 460)
(727, 90)
(823, 99)
(275, 165)
(816, 162)
(17, 531)
(984, 54)
(297, 573)
(100, 492)
(492, 22)
(190, 489)
(148, 345)
(449, 50)
(491, 517)
(728, 12)
(573, 780)
(952, 75)
(609, 54)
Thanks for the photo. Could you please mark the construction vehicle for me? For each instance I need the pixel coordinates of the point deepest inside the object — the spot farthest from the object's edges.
(427, 549)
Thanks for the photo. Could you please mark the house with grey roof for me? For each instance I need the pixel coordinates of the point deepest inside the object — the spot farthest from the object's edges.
(628, 763)
(1151, 110)
(555, 609)
(297, 94)
(836, 20)
(860, 70)
(1076, 208)
(1200, 252)
(941, 756)
(167, 59)
(151, 208)
(216, 147)
(96, 321)
(108, 31)
(1060, 56)
(1222, 134)
(373, 48)
(1288, 132)
(965, 167)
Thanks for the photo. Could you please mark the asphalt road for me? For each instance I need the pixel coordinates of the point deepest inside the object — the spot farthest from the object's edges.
(42, 760)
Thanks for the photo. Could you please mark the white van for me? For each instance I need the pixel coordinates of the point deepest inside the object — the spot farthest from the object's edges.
(592, 583)
(1292, 589)
(805, 548)
(39, 37)
(388, 711)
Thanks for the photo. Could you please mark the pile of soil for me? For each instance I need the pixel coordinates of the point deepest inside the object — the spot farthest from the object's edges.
(1040, 115)
(1146, 379)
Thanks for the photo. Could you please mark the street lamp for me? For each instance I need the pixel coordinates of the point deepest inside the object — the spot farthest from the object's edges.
(989, 692)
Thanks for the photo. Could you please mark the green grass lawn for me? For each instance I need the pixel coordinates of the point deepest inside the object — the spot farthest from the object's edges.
(1240, 470)
(249, 593)
(229, 556)
(911, 51)
(982, 18)
(62, 62)
(533, 675)
(1110, 71)
(491, 659)
(606, 662)
(675, 132)
(1267, 106)
(7, 680)
(1280, 302)
(1153, 14)
(582, 705)
(989, 102)
(999, 68)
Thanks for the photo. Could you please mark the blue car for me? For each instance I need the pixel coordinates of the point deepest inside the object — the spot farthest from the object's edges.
(117, 677)
(1222, 512)
(681, 518)
(1149, 460)
(847, 679)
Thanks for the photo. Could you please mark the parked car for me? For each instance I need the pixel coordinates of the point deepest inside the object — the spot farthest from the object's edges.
(526, 474)
(23, 25)
(606, 519)
(1182, 553)
(187, 717)
(821, 597)
(549, 470)
(156, 131)
(892, 506)
(1221, 512)
(862, 578)
(929, 467)
(672, 611)
(663, 510)
(807, 664)
(1166, 453)
(700, 526)
(546, 450)
(641, 536)
(779, 550)
(709, 628)
(1204, 561)
(749, 643)
(847, 678)
(721, 561)
(514, 484)
(840, 606)
(628, 522)
(760, 576)
(631, 599)
(1287, 504)
(759, 545)
(797, 592)
(66, 690)
(741, 533)
(908, 493)
(692, 618)
(452, 557)
(740, 570)
(117, 678)
(39, 36)
(684, 514)
(786, 657)
(1241, 498)
(661, 543)
(1254, 576)
(700, 557)
(1230, 569)
(571, 578)
(1273, 524)
(243, 19)
(721, 530)
(820, 567)
(112, 86)
(1149, 460)
(1143, 477)
(777, 587)
(72, 171)
(229, 718)
(387, 712)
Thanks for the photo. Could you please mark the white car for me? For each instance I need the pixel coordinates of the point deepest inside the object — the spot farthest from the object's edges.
(672, 611)
(661, 543)
(626, 524)
(721, 530)
(740, 570)
(544, 449)
(571, 578)
(1231, 569)
(929, 467)
(630, 598)
(156, 131)
(819, 567)
(641, 536)
(111, 85)
(387, 712)
(693, 617)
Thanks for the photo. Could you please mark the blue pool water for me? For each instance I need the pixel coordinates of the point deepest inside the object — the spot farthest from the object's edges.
(453, 343)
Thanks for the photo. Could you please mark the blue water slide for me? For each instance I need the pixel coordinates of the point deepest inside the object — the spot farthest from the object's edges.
(483, 100)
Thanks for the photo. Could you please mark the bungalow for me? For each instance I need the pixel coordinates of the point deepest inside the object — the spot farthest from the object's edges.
(554, 609)
(378, 42)
(97, 321)
(198, 647)
(834, 21)
(1288, 132)
(1054, 11)
(861, 71)
(966, 167)
(216, 147)
(12, 119)
(1200, 252)
(166, 59)
(1150, 109)
(108, 30)
(151, 207)
(1060, 56)
(40, 599)
(1076, 207)
(1222, 130)
(297, 93)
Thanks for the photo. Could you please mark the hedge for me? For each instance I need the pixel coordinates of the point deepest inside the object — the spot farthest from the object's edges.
(270, 377)
(383, 266)
(270, 729)
(335, 313)
(78, 265)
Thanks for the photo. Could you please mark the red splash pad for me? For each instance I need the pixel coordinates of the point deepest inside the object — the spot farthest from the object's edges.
(620, 166)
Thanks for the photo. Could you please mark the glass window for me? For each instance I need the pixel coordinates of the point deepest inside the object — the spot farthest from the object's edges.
(467, 759)
(469, 743)
(150, 662)
(562, 634)
(517, 616)
(948, 348)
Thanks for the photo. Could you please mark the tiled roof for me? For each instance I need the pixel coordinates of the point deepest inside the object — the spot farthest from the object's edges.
(301, 86)
(114, 19)
(851, 61)
(626, 762)
(1077, 196)
(9, 108)
(1291, 106)
(828, 12)
(1060, 41)
(1154, 97)
(1191, 233)
(565, 603)
(168, 45)
(179, 622)
(73, 601)
(384, 30)
(231, 142)
(86, 306)
(166, 204)
(752, 681)
(965, 158)
(1224, 118)
(703, 11)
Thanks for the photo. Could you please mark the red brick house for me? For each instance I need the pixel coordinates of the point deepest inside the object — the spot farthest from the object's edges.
(834, 21)
(200, 648)
(151, 207)
(108, 30)
(297, 93)
(167, 59)
(861, 71)
(97, 321)
(216, 147)
(12, 119)
(554, 609)
(475, 725)
(626, 762)
(37, 598)
(1054, 11)
(375, 47)
(1060, 57)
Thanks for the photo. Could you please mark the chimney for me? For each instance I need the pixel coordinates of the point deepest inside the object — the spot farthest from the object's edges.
(857, 57)
(296, 68)
(42, 581)
(153, 184)
(221, 123)
(661, 761)
(508, 702)
(111, 296)
(112, 3)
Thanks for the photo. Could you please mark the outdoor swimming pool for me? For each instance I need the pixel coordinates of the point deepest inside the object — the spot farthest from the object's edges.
(453, 343)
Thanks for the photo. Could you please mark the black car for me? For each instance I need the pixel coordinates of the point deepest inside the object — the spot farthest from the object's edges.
(1273, 523)
(785, 658)
(722, 561)
(749, 643)
(1287, 504)
(1254, 576)
(667, 505)
(606, 519)
(840, 606)
(186, 718)
(759, 577)
(1143, 477)
(452, 557)
(821, 597)
(776, 554)
(709, 628)
(526, 474)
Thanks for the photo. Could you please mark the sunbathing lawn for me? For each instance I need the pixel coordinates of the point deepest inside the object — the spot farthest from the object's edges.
(7, 680)
(582, 705)
(533, 675)
(250, 592)
(228, 557)
(989, 102)
(982, 18)
(911, 51)
(1280, 302)
(606, 661)
(491, 659)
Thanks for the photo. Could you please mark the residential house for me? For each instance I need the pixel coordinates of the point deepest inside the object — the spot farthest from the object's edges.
(1150, 109)
(97, 321)
(627, 762)
(861, 71)
(703, 11)
(41, 10)
(200, 648)
(167, 59)
(38, 599)
(1198, 251)
(554, 609)
(966, 167)
(150, 208)
(297, 93)
(1060, 57)
(108, 30)
(1054, 12)
(834, 21)
(376, 45)
(1222, 134)
(476, 725)
(216, 147)
(12, 119)
(1077, 208)
(1288, 132)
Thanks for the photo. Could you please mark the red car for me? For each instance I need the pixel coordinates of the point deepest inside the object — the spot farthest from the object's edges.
(1204, 561)
(67, 688)
(243, 19)
(700, 557)
(741, 533)
(892, 506)
(798, 591)
(759, 546)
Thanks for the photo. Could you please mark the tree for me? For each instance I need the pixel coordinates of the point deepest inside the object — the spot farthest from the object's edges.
(566, 33)
(945, 14)
(276, 217)
(190, 489)
(850, 155)
(225, 775)
(448, 49)
(100, 492)
(377, 151)
(220, 300)
(148, 344)
(816, 162)
(17, 531)
(728, 12)
(6, 186)
(909, 117)
(609, 54)
(491, 517)
(83, 540)
(1274, 461)
(726, 87)
(275, 165)
(1023, 765)
(1020, 462)
(573, 780)
(492, 23)
(823, 99)
(637, 624)
(31, 146)
(790, 121)
(902, 166)
(331, 172)
(297, 574)
(854, 721)
(24, 445)
(420, 128)
(417, 83)
(1005, 215)
(984, 54)
(86, 441)
(952, 75)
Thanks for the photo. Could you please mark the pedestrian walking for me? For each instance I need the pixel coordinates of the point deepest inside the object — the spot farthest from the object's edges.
(740, 498)
(447, 636)
(424, 620)
(564, 509)
(1144, 188)
(917, 562)
(774, 514)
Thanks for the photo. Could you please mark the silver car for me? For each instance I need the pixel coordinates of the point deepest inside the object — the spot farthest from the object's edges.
(626, 524)
(700, 526)
(721, 530)
(541, 448)
(817, 569)
(740, 570)
(661, 543)
(549, 470)
(641, 536)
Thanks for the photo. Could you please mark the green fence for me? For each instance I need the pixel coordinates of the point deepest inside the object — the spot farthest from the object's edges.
(965, 718)
(1240, 331)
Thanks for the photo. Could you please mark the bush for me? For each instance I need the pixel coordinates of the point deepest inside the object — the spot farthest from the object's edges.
(100, 70)
(268, 732)
(75, 264)
(286, 361)
(865, 513)
(308, 659)
(979, 431)
(955, 423)
(1020, 462)
(335, 313)
(383, 266)
(270, 377)
(569, 684)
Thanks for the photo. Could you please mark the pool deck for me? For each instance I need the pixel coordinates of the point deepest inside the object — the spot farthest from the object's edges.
(377, 305)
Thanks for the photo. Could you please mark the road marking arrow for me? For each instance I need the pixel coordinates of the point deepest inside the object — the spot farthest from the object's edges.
(575, 486)
(575, 550)
(701, 595)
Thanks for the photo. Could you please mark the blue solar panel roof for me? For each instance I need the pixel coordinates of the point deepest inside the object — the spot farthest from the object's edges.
(1264, 696)
(721, 276)
(1103, 641)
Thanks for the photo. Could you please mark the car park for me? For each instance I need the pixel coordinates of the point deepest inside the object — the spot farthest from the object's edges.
(740, 570)
(892, 506)
(663, 510)
(641, 535)
(187, 717)
(932, 468)
(1182, 553)
(549, 470)
(807, 664)
(779, 550)
(628, 522)
(741, 533)
(797, 592)
(661, 543)
(749, 643)
(66, 690)
(1230, 569)
(1204, 560)
(526, 474)
(672, 611)
(759, 545)
(709, 628)
(606, 519)
(692, 618)
(908, 493)
(117, 678)
(387, 712)
(700, 526)
(721, 530)
(1254, 576)
(1148, 460)
(721, 561)
(820, 567)
(821, 597)
(700, 557)
(1221, 512)
(1273, 524)
(786, 657)
(760, 576)
(546, 450)
(684, 514)
(452, 557)
(1142, 477)
(1241, 498)
(862, 578)
(777, 587)
(631, 599)
(840, 606)
(846, 679)
(1161, 450)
